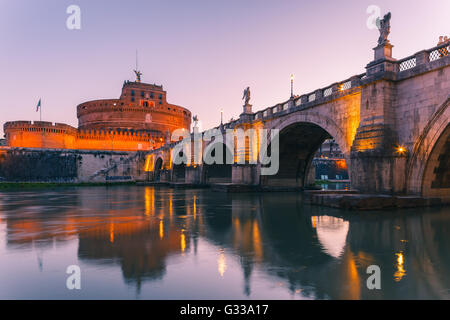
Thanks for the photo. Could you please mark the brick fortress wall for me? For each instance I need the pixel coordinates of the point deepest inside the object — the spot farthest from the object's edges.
(138, 120)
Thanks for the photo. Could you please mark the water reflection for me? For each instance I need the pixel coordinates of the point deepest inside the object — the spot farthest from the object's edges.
(335, 186)
(332, 233)
(398, 275)
(185, 243)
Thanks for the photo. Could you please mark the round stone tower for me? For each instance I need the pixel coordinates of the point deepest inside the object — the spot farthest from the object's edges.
(141, 107)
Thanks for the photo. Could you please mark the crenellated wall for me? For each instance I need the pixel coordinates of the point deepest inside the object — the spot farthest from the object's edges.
(40, 134)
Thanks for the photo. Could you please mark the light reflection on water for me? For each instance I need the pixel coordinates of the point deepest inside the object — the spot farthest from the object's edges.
(160, 243)
(335, 186)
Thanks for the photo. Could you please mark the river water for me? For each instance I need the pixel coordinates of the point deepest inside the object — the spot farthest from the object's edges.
(135, 242)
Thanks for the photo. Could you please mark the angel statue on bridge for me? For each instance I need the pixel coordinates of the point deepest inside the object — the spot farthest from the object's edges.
(246, 95)
(195, 118)
(384, 26)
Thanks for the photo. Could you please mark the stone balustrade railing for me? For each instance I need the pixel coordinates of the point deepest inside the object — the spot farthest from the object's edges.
(328, 92)
(423, 57)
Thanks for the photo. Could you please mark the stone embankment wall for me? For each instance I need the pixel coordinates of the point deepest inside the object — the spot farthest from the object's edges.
(71, 166)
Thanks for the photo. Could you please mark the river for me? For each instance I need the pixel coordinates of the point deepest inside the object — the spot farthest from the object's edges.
(135, 242)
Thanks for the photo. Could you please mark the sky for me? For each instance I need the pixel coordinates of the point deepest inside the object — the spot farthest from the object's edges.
(204, 53)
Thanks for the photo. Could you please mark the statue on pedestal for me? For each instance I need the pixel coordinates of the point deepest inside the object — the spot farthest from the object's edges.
(384, 26)
(443, 51)
(195, 118)
(138, 75)
(246, 96)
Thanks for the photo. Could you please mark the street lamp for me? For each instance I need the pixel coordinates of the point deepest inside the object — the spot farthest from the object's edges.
(292, 86)
(401, 150)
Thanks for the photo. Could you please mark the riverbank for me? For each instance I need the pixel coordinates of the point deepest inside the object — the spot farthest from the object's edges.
(352, 200)
(319, 182)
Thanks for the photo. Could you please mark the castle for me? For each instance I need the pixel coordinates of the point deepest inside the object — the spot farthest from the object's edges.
(141, 119)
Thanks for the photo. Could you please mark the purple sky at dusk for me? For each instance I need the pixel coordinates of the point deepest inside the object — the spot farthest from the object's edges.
(204, 53)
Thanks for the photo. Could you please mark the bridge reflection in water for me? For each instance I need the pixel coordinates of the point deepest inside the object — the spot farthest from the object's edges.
(165, 243)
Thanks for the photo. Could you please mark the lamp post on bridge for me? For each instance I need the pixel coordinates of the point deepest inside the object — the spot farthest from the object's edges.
(292, 86)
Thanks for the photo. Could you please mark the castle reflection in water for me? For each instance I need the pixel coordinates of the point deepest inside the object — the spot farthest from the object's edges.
(310, 250)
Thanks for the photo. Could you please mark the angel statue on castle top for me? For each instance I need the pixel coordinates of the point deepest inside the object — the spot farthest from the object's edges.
(138, 75)
(246, 96)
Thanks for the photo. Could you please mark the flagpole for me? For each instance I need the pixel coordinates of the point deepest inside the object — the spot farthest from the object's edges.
(39, 106)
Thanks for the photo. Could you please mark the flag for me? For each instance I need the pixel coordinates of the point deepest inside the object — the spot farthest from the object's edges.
(38, 105)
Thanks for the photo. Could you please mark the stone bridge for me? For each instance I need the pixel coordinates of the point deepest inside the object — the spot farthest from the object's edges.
(391, 123)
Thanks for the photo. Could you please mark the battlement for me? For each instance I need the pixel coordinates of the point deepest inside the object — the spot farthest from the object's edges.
(118, 133)
(46, 135)
(118, 105)
(37, 126)
(134, 84)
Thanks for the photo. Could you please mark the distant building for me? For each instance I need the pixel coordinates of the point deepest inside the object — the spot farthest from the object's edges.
(329, 162)
(329, 149)
(139, 120)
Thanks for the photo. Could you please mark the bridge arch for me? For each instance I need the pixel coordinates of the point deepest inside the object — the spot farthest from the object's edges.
(179, 167)
(427, 172)
(300, 137)
(344, 140)
(218, 172)
(157, 169)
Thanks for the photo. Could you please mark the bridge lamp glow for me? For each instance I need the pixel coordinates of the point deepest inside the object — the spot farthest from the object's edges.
(401, 150)
(341, 87)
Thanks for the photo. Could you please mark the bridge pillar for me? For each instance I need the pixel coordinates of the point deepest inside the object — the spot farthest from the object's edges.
(378, 172)
(377, 162)
(166, 175)
(193, 175)
(247, 174)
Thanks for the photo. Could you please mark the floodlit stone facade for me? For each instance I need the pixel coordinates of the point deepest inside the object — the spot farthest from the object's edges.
(391, 124)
